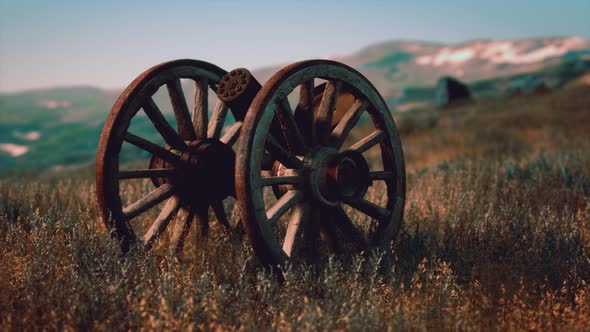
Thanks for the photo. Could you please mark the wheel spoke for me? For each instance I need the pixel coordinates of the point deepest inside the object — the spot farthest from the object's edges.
(311, 235)
(325, 113)
(293, 138)
(381, 175)
(147, 173)
(284, 203)
(350, 231)
(217, 120)
(220, 214)
(181, 112)
(201, 107)
(325, 217)
(150, 200)
(304, 112)
(369, 208)
(235, 214)
(267, 161)
(281, 154)
(299, 216)
(161, 222)
(369, 141)
(162, 126)
(350, 119)
(278, 180)
(181, 229)
(152, 148)
(232, 134)
(202, 217)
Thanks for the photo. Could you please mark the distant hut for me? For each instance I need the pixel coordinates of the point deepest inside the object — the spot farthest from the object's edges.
(450, 91)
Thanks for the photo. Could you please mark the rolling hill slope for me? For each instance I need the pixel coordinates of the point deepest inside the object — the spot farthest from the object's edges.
(60, 127)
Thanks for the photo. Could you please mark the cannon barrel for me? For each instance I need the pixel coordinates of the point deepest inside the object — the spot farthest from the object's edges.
(238, 88)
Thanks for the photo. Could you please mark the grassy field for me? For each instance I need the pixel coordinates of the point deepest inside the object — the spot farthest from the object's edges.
(496, 235)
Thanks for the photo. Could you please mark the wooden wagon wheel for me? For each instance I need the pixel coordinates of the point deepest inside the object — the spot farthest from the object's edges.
(323, 185)
(189, 171)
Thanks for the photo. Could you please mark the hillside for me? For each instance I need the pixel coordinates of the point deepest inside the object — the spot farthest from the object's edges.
(496, 236)
(60, 127)
(394, 65)
(45, 128)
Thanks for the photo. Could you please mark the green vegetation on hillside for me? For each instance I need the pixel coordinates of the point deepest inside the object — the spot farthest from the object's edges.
(496, 235)
(389, 63)
(390, 66)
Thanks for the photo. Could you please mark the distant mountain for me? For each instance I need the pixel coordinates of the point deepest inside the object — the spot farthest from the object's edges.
(55, 127)
(394, 65)
(43, 128)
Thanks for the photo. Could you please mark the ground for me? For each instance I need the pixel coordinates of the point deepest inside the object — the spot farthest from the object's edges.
(496, 235)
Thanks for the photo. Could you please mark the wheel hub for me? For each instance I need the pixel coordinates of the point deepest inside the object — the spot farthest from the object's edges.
(337, 177)
(206, 174)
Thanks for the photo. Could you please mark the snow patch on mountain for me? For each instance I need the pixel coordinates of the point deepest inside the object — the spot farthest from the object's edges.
(496, 52)
(447, 56)
(53, 104)
(30, 136)
(14, 150)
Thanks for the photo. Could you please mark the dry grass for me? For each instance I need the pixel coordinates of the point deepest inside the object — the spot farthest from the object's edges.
(496, 236)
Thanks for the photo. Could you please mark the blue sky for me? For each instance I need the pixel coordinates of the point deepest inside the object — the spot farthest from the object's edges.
(107, 43)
